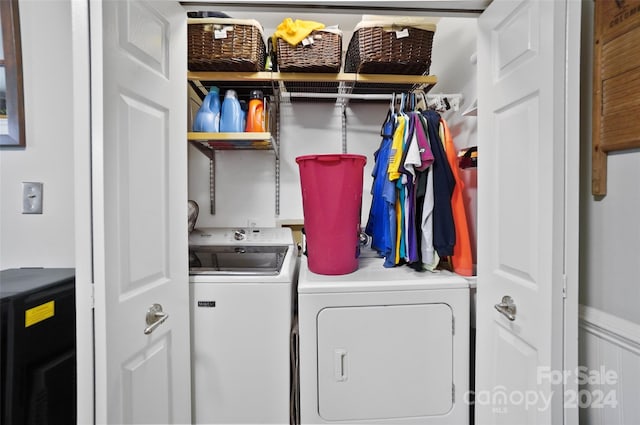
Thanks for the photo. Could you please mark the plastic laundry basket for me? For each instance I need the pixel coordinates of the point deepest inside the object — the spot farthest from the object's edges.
(332, 202)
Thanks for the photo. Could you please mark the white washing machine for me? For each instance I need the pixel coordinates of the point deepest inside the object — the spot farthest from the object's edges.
(241, 315)
(383, 346)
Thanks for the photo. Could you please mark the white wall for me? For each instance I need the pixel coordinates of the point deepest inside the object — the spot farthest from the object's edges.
(45, 240)
(609, 226)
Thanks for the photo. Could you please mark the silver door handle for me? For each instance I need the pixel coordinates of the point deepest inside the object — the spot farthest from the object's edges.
(507, 307)
(155, 317)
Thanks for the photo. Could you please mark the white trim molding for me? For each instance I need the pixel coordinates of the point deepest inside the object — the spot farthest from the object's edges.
(621, 332)
(610, 355)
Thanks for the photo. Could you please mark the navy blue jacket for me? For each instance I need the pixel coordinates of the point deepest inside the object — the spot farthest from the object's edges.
(444, 232)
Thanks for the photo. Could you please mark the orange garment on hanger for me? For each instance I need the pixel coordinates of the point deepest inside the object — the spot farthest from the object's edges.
(462, 259)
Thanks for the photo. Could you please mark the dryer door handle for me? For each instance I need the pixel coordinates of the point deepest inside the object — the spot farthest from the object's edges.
(340, 364)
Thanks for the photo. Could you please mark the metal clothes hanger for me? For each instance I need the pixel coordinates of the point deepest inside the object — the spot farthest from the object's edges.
(392, 102)
(398, 103)
(389, 117)
(421, 104)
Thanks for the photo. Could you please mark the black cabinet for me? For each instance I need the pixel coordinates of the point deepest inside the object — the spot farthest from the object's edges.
(38, 346)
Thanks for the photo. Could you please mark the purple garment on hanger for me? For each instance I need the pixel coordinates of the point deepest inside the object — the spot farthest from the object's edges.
(426, 155)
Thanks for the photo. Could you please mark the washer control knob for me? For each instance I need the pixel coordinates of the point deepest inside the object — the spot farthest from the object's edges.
(239, 235)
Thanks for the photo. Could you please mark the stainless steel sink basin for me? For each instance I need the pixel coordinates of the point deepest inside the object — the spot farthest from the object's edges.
(236, 260)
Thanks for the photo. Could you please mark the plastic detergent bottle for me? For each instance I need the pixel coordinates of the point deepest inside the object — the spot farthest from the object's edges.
(207, 118)
(255, 115)
(244, 107)
(231, 115)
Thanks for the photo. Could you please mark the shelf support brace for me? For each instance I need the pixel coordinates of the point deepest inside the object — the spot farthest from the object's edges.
(209, 153)
(276, 148)
(212, 183)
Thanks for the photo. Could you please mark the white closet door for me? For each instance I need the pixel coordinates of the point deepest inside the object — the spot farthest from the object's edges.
(139, 200)
(384, 362)
(522, 216)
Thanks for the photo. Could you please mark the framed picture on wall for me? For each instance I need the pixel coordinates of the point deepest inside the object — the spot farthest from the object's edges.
(616, 84)
(11, 84)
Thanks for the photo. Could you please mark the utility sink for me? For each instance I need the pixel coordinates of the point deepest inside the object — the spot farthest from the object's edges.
(236, 260)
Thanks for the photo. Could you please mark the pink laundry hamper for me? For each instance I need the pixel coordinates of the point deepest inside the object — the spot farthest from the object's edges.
(332, 203)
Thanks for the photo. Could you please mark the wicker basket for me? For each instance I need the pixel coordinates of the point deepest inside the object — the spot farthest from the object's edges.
(324, 55)
(243, 48)
(372, 50)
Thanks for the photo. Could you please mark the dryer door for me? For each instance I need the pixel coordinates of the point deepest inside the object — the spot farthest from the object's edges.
(383, 362)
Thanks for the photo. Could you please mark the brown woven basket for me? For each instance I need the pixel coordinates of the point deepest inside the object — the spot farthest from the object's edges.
(242, 50)
(324, 55)
(372, 50)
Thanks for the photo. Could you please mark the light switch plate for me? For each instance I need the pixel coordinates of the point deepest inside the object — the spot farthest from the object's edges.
(31, 198)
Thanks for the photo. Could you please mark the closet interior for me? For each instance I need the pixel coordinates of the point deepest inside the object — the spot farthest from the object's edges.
(253, 180)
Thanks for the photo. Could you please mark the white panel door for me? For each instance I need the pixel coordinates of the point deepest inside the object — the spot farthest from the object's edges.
(138, 99)
(522, 59)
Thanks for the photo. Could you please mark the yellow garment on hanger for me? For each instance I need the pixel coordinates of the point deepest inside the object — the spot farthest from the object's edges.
(293, 32)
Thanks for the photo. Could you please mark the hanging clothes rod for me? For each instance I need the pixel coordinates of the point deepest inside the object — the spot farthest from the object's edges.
(444, 101)
(447, 95)
(440, 102)
(337, 96)
(364, 96)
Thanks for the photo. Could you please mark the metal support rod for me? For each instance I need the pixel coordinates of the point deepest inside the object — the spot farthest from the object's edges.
(212, 183)
(277, 159)
(344, 127)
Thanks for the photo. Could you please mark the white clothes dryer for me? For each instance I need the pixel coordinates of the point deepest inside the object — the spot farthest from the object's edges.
(383, 346)
(241, 316)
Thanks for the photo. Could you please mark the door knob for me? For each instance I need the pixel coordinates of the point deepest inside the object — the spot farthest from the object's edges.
(155, 317)
(507, 307)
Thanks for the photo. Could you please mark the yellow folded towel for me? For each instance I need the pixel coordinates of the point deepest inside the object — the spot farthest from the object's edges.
(293, 32)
